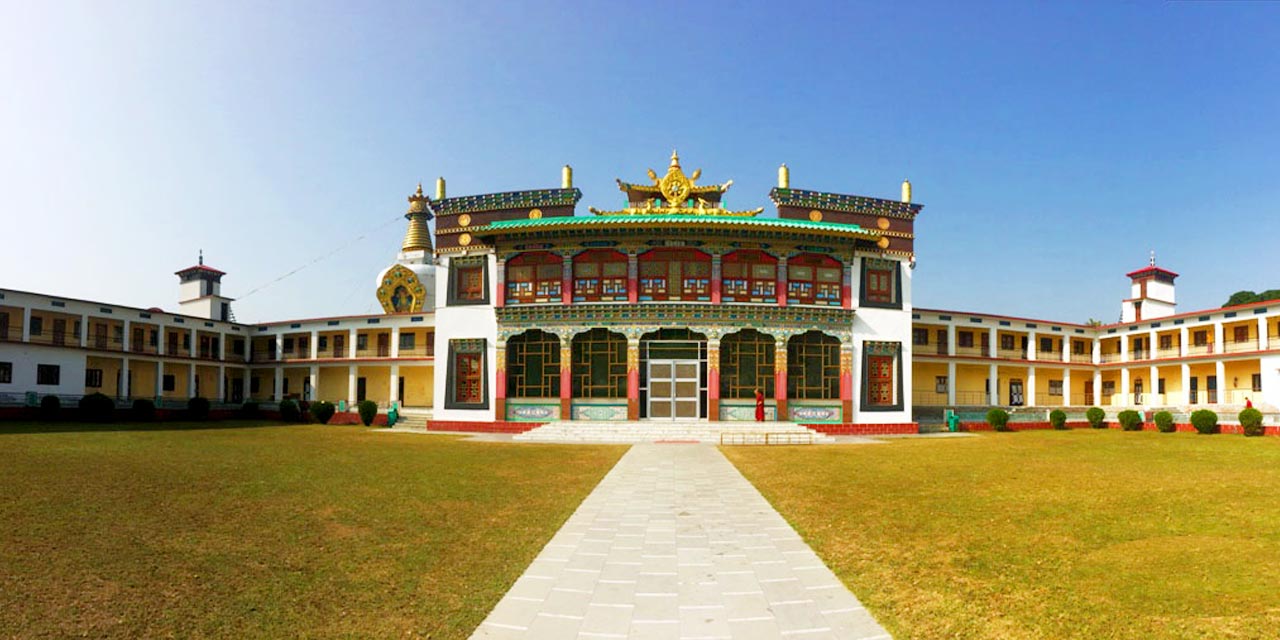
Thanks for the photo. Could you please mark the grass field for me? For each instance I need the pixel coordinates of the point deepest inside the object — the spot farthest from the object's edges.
(1081, 534)
(274, 531)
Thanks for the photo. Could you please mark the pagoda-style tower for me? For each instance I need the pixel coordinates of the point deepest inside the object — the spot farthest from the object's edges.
(409, 285)
(1150, 294)
(200, 292)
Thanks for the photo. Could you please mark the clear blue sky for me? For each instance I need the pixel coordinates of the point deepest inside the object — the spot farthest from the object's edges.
(1053, 144)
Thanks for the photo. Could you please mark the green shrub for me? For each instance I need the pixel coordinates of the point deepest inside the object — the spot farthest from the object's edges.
(249, 409)
(289, 411)
(322, 411)
(1205, 421)
(1251, 422)
(143, 410)
(304, 411)
(368, 411)
(97, 407)
(50, 406)
(1096, 416)
(998, 419)
(1130, 420)
(198, 408)
(1164, 421)
(1058, 418)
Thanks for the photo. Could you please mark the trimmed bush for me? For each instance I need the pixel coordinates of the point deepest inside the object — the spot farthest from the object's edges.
(1058, 418)
(304, 411)
(998, 419)
(322, 411)
(368, 411)
(1096, 416)
(50, 407)
(1130, 420)
(97, 407)
(143, 410)
(289, 411)
(1205, 421)
(249, 409)
(198, 408)
(1164, 421)
(1251, 422)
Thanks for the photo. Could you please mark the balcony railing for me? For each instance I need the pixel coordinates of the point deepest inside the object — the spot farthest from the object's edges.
(57, 338)
(1082, 357)
(1012, 354)
(1049, 356)
(105, 343)
(1139, 354)
(418, 351)
(380, 351)
(1169, 352)
(143, 347)
(928, 399)
(296, 354)
(972, 398)
(264, 355)
(11, 334)
(1237, 346)
(1109, 357)
(1200, 349)
(972, 351)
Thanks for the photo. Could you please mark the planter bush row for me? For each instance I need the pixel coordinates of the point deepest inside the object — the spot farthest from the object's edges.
(100, 408)
(1204, 420)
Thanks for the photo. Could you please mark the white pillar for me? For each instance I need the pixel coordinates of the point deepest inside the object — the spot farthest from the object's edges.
(1154, 385)
(1125, 392)
(395, 385)
(247, 382)
(1186, 378)
(1218, 344)
(84, 330)
(993, 384)
(351, 351)
(161, 338)
(125, 338)
(351, 383)
(951, 384)
(313, 376)
(223, 338)
(1097, 387)
(1124, 349)
(1066, 349)
(191, 380)
(1182, 348)
(1066, 387)
(1031, 345)
(26, 324)
(1220, 371)
(395, 344)
(279, 354)
(123, 390)
(315, 349)
(222, 380)
(193, 346)
(159, 379)
(1097, 353)
(1031, 386)
(1263, 342)
(277, 382)
(992, 344)
(1152, 344)
(951, 345)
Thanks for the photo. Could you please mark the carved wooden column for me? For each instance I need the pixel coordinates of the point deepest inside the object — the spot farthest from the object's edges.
(566, 376)
(500, 275)
(782, 281)
(715, 279)
(633, 277)
(780, 375)
(566, 280)
(500, 379)
(846, 287)
(633, 377)
(713, 377)
(846, 379)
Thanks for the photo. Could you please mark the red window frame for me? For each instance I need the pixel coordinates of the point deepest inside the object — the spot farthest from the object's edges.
(815, 279)
(534, 277)
(600, 275)
(471, 282)
(749, 276)
(879, 285)
(880, 381)
(690, 268)
(468, 378)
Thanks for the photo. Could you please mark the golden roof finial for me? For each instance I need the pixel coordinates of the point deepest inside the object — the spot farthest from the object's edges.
(675, 159)
(906, 191)
(419, 192)
(784, 177)
(440, 188)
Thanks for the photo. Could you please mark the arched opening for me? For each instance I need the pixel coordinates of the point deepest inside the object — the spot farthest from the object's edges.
(533, 365)
(749, 275)
(813, 367)
(673, 374)
(534, 277)
(599, 364)
(814, 279)
(600, 275)
(746, 364)
(675, 274)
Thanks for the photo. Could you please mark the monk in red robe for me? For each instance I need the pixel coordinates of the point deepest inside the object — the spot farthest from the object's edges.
(759, 406)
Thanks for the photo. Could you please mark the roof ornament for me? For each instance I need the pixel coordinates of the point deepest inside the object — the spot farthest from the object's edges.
(1153, 257)
(675, 193)
(201, 263)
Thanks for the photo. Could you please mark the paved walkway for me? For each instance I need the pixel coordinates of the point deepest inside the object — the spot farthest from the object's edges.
(675, 543)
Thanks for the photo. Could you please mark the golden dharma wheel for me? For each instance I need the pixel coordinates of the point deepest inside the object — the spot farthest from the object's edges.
(465, 239)
(883, 223)
(465, 219)
(535, 214)
(883, 243)
(815, 215)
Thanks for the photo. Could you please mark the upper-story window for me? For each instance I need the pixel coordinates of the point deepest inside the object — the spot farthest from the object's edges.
(749, 276)
(675, 274)
(600, 275)
(468, 281)
(814, 279)
(534, 277)
(880, 285)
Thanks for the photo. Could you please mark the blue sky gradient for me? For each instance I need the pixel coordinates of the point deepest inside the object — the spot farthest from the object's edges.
(1053, 144)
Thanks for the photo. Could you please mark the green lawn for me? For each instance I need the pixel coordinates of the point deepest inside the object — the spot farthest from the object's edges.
(1081, 534)
(273, 531)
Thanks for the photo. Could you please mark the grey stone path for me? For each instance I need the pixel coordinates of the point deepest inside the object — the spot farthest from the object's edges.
(675, 543)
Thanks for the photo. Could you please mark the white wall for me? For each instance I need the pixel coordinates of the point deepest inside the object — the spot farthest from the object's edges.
(26, 357)
(883, 325)
(467, 321)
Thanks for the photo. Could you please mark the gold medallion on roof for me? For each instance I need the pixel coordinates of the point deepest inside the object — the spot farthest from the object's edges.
(883, 223)
(815, 215)
(464, 239)
(464, 219)
(535, 214)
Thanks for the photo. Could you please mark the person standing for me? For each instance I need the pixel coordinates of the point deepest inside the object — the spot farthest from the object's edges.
(759, 406)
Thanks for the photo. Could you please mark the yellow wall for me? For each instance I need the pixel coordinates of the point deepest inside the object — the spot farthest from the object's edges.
(418, 383)
(179, 373)
(144, 379)
(970, 384)
(110, 369)
(376, 383)
(924, 383)
(333, 384)
(297, 381)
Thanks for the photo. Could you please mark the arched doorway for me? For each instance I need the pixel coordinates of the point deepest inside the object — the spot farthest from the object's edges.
(673, 375)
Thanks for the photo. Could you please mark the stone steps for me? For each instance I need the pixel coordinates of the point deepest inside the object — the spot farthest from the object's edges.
(653, 431)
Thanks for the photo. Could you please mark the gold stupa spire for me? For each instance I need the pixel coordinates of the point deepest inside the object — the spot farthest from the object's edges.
(418, 237)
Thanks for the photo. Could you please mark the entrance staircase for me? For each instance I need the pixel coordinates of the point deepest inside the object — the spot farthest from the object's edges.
(673, 431)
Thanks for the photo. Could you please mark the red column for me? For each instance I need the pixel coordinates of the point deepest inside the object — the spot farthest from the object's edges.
(633, 278)
(846, 383)
(566, 379)
(500, 385)
(715, 279)
(780, 380)
(713, 379)
(633, 379)
(566, 281)
(782, 281)
(500, 298)
(846, 286)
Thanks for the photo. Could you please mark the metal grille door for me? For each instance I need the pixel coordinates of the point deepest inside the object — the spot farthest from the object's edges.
(673, 389)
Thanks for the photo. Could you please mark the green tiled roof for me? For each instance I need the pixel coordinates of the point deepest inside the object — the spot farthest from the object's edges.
(842, 202)
(508, 200)
(678, 220)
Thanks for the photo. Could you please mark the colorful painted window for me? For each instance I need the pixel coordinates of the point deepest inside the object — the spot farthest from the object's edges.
(534, 277)
(881, 376)
(814, 279)
(533, 365)
(599, 359)
(879, 282)
(749, 276)
(880, 380)
(468, 381)
(468, 280)
(675, 274)
(600, 275)
(746, 364)
(813, 367)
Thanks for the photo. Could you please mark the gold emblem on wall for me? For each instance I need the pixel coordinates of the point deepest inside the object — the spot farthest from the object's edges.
(883, 223)
(815, 215)
(883, 243)
(401, 291)
(465, 219)
(535, 214)
(464, 239)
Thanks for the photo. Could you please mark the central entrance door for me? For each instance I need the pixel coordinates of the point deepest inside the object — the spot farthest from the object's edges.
(673, 389)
